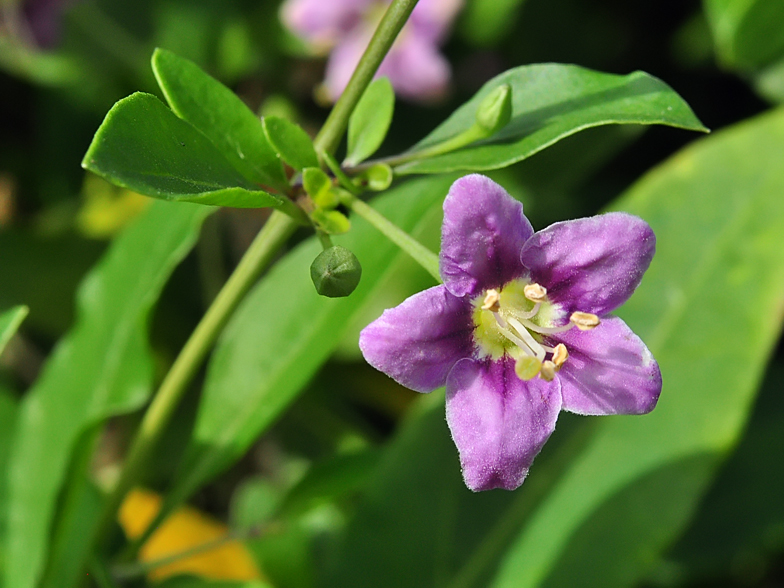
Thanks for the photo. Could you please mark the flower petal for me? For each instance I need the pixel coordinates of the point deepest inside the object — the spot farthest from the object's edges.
(483, 233)
(418, 342)
(498, 422)
(609, 371)
(415, 67)
(322, 23)
(591, 264)
(432, 18)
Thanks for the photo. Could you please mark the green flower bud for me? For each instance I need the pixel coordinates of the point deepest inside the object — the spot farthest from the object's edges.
(332, 222)
(377, 177)
(495, 111)
(335, 272)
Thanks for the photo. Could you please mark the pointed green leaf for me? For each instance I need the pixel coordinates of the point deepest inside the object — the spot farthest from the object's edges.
(102, 368)
(221, 116)
(369, 123)
(290, 141)
(718, 215)
(550, 102)
(9, 323)
(143, 146)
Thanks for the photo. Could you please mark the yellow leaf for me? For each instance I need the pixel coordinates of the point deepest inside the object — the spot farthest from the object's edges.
(184, 530)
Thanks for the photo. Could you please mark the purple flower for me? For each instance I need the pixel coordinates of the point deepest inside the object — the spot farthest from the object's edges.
(520, 329)
(414, 65)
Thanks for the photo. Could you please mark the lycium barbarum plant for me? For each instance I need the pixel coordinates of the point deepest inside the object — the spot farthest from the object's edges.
(520, 327)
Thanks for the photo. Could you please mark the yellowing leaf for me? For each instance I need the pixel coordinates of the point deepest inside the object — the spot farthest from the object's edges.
(185, 530)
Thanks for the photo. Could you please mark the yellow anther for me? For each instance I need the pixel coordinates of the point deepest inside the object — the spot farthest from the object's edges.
(585, 321)
(535, 292)
(560, 355)
(491, 301)
(527, 367)
(547, 372)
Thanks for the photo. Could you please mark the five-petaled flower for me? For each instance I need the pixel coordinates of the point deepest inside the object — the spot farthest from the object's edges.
(414, 65)
(520, 328)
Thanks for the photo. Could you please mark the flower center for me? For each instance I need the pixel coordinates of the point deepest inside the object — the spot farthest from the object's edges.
(515, 319)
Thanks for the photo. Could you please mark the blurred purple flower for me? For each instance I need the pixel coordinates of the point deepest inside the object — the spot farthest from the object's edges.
(44, 18)
(414, 65)
(520, 330)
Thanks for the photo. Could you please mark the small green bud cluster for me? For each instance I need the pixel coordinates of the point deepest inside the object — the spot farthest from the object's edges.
(326, 198)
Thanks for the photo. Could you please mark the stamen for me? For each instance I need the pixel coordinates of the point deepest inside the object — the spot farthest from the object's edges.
(522, 315)
(502, 328)
(535, 292)
(527, 367)
(547, 330)
(530, 341)
(547, 372)
(491, 301)
(560, 355)
(585, 321)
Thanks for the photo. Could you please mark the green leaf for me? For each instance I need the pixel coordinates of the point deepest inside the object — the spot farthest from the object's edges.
(741, 519)
(102, 368)
(369, 123)
(143, 146)
(9, 324)
(748, 33)
(221, 116)
(290, 141)
(717, 211)
(255, 373)
(550, 102)
(8, 413)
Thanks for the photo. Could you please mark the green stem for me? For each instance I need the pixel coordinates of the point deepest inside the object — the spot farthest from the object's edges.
(324, 239)
(421, 254)
(261, 252)
(474, 133)
(393, 20)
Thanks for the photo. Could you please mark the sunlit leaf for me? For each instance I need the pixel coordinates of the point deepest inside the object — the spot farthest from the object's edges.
(718, 215)
(550, 102)
(290, 141)
(144, 146)
(101, 368)
(220, 115)
(369, 123)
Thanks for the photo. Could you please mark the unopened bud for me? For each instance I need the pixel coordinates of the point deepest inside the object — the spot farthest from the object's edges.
(335, 272)
(495, 110)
